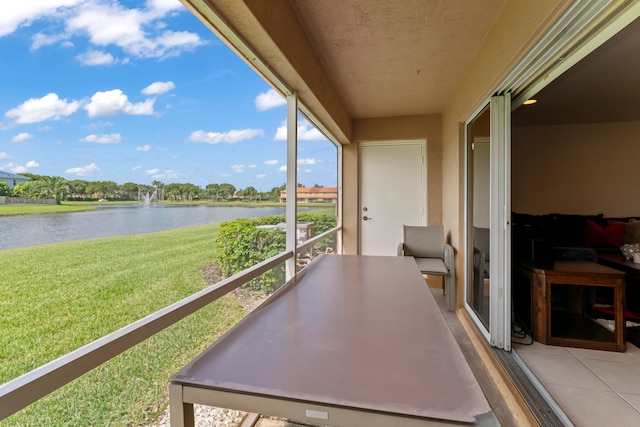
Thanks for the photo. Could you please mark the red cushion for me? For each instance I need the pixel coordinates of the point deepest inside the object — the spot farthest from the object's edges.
(598, 236)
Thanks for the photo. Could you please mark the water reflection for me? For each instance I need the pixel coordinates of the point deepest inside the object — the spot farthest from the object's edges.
(29, 230)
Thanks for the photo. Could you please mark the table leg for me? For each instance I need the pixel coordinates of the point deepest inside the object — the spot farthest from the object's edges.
(181, 413)
(621, 321)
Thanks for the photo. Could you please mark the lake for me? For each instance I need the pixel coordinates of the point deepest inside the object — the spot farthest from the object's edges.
(30, 230)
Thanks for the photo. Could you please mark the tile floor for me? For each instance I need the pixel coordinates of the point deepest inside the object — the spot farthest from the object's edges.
(594, 388)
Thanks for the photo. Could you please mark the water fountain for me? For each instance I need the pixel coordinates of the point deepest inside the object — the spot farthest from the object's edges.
(148, 198)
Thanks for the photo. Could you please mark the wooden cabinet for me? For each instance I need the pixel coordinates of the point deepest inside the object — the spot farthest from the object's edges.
(566, 323)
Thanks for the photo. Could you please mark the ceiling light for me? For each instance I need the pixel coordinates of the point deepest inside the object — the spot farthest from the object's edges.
(530, 101)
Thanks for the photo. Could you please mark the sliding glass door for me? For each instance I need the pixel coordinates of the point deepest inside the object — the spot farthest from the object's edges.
(488, 248)
(478, 216)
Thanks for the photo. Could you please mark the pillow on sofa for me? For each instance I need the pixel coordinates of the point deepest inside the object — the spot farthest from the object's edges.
(597, 236)
(568, 230)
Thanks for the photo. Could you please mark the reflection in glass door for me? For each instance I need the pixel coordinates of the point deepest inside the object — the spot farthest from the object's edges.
(478, 215)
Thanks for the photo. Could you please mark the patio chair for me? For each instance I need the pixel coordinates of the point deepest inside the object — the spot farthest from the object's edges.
(481, 261)
(434, 257)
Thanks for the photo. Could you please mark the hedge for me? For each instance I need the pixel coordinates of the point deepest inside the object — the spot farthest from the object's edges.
(240, 245)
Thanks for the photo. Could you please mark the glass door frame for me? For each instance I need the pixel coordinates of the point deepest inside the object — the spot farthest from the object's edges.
(498, 332)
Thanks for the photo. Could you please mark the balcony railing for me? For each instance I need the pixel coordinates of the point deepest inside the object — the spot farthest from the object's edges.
(32, 386)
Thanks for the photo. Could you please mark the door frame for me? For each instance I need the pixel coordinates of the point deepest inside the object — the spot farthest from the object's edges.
(498, 333)
(423, 173)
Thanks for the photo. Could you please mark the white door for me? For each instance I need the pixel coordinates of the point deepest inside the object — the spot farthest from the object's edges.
(392, 193)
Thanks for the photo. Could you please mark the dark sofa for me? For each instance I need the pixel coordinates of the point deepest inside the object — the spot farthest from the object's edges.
(541, 239)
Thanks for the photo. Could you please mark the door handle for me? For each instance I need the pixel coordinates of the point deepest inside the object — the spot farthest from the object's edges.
(366, 218)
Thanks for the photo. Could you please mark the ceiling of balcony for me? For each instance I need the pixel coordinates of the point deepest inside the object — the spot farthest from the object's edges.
(603, 87)
(392, 59)
(396, 58)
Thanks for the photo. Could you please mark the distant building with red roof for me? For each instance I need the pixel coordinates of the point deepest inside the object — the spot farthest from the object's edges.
(313, 195)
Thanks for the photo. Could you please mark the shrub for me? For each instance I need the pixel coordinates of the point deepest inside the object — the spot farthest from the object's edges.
(4, 189)
(240, 245)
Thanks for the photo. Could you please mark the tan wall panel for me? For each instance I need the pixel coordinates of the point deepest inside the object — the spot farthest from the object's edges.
(576, 169)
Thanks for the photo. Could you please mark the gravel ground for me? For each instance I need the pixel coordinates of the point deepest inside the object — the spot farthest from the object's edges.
(207, 416)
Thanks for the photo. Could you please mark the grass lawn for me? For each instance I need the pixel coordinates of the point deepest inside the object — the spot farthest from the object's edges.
(56, 298)
(85, 206)
(41, 209)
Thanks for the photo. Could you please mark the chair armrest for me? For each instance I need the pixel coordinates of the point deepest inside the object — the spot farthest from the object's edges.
(450, 279)
(448, 258)
(401, 249)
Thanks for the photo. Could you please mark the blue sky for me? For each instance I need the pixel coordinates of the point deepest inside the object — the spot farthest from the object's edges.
(137, 91)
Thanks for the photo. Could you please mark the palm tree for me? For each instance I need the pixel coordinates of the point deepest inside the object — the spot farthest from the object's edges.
(250, 192)
(159, 185)
(53, 187)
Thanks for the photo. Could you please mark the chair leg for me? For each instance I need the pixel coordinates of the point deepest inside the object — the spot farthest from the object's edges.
(449, 283)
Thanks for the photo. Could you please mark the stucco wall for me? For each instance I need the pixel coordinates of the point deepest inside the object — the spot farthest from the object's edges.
(577, 169)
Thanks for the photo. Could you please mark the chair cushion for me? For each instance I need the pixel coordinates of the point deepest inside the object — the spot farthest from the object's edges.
(424, 242)
(432, 266)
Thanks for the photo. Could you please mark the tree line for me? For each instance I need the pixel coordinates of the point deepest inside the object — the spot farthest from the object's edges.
(55, 187)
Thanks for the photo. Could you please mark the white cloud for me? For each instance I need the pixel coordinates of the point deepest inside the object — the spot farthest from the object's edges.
(15, 14)
(135, 31)
(135, 168)
(16, 168)
(145, 147)
(138, 32)
(111, 138)
(158, 88)
(282, 168)
(158, 174)
(84, 170)
(22, 136)
(96, 57)
(171, 42)
(307, 161)
(261, 175)
(269, 99)
(40, 40)
(3, 155)
(99, 125)
(230, 137)
(163, 6)
(114, 102)
(252, 166)
(306, 132)
(271, 162)
(49, 107)
(238, 168)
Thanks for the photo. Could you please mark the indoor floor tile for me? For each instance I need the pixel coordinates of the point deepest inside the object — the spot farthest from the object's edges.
(536, 347)
(563, 370)
(633, 351)
(621, 377)
(594, 408)
(612, 356)
(633, 400)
